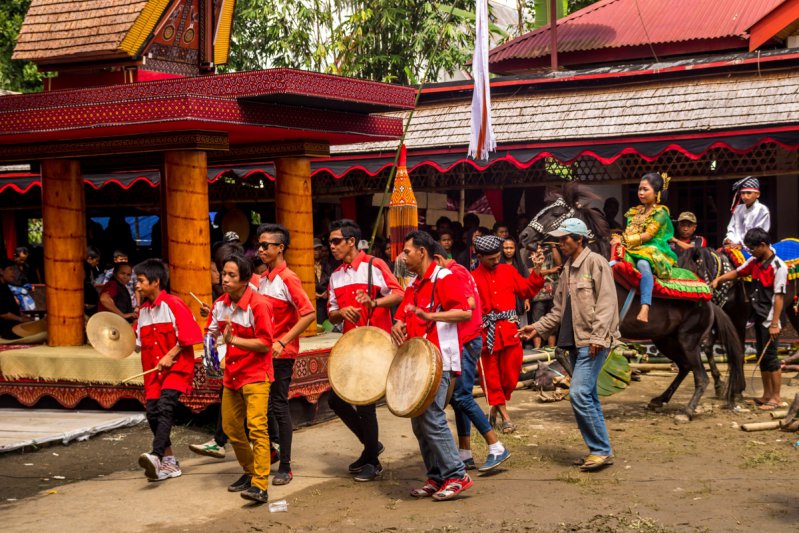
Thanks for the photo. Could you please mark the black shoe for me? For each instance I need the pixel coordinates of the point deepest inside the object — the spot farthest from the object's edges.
(356, 467)
(243, 483)
(369, 472)
(255, 494)
(282, 478)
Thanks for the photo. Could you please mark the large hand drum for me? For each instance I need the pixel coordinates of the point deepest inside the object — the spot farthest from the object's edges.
(413, 378)
(359, 364)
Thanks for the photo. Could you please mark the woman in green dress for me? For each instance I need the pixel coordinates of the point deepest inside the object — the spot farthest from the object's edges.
(646, 238)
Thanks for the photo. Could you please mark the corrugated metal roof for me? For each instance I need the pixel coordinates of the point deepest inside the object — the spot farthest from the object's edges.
(627, 23)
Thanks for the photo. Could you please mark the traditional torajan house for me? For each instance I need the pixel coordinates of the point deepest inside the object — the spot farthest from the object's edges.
(133, 88)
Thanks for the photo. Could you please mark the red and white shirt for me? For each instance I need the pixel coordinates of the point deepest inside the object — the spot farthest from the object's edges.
(473, 328)
(349, 278)
(769, 279)
(449, 294)
(283, 288)
(162, 324)
(250, 318)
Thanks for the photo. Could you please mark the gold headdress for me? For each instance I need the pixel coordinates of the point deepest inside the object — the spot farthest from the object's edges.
(666, 180)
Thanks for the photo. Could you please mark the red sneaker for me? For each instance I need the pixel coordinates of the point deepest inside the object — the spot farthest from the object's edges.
(425, 491)
(453, 487)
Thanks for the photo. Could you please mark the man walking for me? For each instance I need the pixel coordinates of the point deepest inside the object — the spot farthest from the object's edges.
(587, 311)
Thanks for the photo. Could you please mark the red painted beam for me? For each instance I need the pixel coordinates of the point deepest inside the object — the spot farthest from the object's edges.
(774, 22)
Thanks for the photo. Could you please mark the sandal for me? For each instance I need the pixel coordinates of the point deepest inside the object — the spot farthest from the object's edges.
(508, 427)
(754, 401)
(768, 406)
(596, 462)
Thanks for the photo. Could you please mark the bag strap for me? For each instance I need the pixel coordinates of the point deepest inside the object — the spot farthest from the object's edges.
(369, 286)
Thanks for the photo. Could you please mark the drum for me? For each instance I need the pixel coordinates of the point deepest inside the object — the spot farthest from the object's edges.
(211, 356)
(359, 363)
(413, 378)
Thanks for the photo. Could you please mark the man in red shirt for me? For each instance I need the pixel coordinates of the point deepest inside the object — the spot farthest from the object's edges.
(165, 335)
(293, 312)
(433, 306)
(467, 412)
(356, 302)
(501, 361)
(245, 319)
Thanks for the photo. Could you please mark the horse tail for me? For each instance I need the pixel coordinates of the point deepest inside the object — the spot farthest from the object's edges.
(728, 336)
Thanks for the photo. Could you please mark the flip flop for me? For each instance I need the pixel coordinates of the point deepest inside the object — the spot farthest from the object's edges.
(768, 406)
(508, 427)
(754, 401)
(596, 462)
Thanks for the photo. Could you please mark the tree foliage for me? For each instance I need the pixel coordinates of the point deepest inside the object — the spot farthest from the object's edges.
(383, 40)
(19, 76)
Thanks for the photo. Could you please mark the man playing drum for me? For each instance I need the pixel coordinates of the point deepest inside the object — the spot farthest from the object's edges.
(293, 313)
(362, 290)
(467, 412)
(501, 361)
(433, 306)
(245, 319)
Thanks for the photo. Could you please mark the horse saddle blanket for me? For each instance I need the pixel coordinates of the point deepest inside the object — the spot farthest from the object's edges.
(786, 249)
(683, 284)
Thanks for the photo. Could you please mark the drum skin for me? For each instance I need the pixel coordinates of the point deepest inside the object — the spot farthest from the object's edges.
(359, 363)
(413, 378)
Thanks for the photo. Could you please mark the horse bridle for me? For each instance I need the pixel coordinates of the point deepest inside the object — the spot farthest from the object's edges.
(560, 202)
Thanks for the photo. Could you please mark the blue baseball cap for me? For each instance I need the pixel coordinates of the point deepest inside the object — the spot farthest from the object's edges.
(570, 226)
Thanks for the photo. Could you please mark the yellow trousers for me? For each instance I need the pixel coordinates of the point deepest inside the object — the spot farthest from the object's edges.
(249, 403)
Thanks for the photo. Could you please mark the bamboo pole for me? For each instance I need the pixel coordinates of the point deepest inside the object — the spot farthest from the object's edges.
(64, 218)
(761, 426)
(294, 210)
(186, 215)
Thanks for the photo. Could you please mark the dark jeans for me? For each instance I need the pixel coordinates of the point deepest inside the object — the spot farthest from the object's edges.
(361, 420)
(280, 424)
(467, 412)
(161, 416)
(770, 362)
(219, 436)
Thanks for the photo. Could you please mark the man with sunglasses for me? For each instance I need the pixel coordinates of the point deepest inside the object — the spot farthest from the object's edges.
(292, 313)
(356, 302)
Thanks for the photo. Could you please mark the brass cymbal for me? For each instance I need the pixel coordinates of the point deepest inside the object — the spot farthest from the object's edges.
(111, 335)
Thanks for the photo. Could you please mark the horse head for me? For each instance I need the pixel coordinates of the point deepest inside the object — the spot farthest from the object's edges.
(571, 201)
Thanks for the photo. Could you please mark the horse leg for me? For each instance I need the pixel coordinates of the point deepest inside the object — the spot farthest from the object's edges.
(718, 383)
(683, 349)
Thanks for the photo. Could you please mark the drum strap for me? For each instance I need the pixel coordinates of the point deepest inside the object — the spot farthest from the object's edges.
(369, 285)
(431, 307)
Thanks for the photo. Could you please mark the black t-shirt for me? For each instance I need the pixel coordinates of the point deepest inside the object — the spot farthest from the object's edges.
(566, 333)
(8, 304)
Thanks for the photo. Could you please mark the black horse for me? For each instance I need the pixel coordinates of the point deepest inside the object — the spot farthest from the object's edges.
(676, 327)
(709, 264)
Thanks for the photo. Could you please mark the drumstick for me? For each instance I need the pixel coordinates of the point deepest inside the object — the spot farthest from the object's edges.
(202, 304)
(134, 376)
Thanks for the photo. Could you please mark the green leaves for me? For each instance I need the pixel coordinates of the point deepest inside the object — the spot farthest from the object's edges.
(21, 76)
(615, 374)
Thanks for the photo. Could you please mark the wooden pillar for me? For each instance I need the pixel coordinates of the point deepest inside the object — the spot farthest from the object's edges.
(64, 219)
(185, 183)
(294, 210)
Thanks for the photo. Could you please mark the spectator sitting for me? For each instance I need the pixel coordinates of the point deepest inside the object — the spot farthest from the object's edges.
(23, 273)
(685, 238)
(10, 315)
(114, 297)
(121, 257)
(94, 275)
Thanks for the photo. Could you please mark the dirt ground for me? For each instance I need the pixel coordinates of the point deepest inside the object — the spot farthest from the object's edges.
(706, 475)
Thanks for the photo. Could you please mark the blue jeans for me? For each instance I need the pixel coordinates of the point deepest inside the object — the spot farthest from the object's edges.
(438, 449)
(467, 412)
(647, 281)
(585, 399)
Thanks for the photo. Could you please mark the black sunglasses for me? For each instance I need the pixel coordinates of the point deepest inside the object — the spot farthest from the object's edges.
(264, 245)
(337, 240)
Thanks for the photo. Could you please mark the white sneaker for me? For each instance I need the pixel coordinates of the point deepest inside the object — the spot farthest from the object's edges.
(210, 448)
(170, 467)
(152, 466)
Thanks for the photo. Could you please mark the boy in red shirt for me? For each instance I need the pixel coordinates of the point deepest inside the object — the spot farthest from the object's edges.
(245, 319)
(165, 334)
(293, 312)
(501, 360)
(354, 303)
(433, 306)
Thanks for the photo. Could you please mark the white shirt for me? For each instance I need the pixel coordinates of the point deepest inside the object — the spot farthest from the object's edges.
(745, 218)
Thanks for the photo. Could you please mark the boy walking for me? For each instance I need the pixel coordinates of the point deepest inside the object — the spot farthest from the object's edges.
(165, 335)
